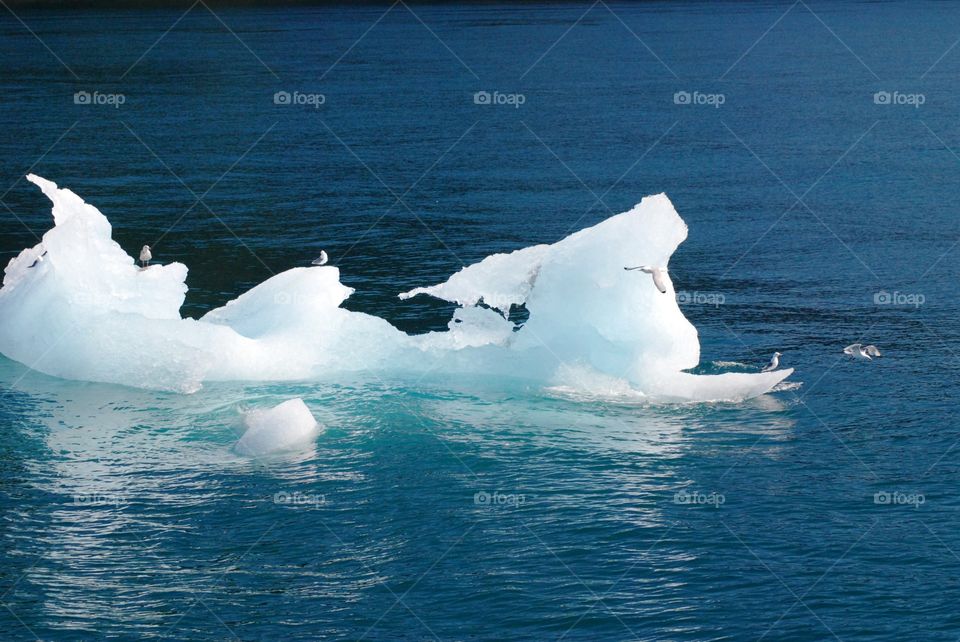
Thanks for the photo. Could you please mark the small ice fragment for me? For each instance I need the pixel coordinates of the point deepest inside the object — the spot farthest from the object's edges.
(288, 426)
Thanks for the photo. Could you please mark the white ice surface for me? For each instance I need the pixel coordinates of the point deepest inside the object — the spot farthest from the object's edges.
(287, 426)
(87, 312)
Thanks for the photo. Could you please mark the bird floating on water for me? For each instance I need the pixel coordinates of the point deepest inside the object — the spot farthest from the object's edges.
(774, 362)
(321, 260)
(657, 272)
(145, 256)
(860, 351)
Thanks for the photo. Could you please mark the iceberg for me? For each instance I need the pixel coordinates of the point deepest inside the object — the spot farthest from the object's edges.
(285, 427)
(77, 306)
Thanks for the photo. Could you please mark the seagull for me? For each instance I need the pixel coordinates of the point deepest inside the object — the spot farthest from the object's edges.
(39, 259)
(859, 351)
(145, 256)
(321, 260)
(657, 272)
(774, 362)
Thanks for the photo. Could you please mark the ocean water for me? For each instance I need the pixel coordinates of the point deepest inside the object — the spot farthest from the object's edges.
(821, 213)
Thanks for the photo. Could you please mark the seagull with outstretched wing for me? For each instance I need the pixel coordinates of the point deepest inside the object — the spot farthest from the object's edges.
(657, 272)
(857, 351)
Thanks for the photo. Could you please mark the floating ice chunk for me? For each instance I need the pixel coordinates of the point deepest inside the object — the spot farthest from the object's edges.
(288, 426)
(87, 312)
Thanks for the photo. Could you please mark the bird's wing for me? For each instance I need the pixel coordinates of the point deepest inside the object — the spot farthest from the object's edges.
(853, 348)
(658, 281)
(774, 362)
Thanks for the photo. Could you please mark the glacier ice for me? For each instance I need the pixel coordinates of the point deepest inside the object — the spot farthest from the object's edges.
(77, 306)
(287, 426)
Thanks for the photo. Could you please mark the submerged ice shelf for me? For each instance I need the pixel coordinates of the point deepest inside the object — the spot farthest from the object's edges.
(77, 306)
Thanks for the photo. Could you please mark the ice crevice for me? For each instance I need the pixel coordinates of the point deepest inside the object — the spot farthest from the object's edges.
(77, 306)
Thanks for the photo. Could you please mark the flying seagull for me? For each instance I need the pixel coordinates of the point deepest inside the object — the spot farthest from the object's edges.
(145, 256)
(657, 272)
(860, 351)
(774, 362)
(321, 260)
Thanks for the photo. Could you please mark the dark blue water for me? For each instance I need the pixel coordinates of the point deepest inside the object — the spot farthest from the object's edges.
(477, 509)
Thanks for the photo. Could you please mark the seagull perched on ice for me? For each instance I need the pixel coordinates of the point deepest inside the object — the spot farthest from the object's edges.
(321, 260)
(39, 259)
(145, 256)
(860, 351)
(657, 272)
(774, 362)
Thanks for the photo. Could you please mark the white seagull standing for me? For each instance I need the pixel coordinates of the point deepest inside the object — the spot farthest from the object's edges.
(39, 259)
(774, 362)
(860, 351)
(657, 272)
(321, 260)
(145, 256)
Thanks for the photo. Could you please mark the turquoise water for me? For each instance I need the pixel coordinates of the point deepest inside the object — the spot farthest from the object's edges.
(469, 508)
